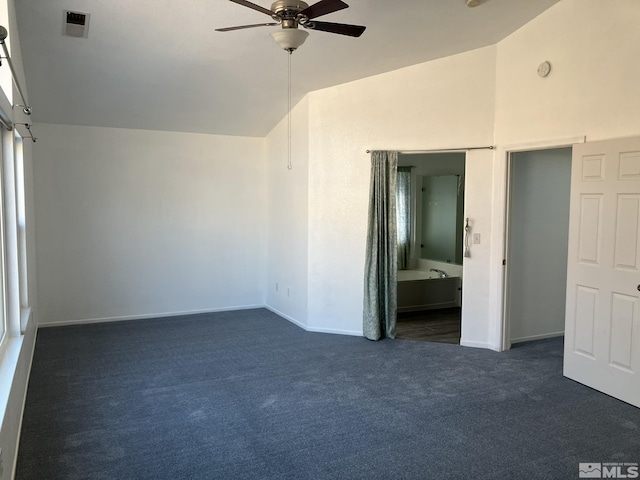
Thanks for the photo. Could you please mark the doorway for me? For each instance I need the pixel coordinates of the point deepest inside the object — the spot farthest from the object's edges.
(538, 200)
(432, 225)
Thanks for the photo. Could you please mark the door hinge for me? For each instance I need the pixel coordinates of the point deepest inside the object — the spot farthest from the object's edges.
(504, 261)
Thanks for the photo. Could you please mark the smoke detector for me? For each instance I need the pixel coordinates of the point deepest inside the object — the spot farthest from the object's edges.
(75, 24)
(473, 3)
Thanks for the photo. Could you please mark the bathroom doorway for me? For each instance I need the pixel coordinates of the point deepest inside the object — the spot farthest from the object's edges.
(430, 204)
(539, 186)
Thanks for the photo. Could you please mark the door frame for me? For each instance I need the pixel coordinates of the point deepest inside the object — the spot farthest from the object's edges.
(499, 231)
(414, 250)
(508, 227)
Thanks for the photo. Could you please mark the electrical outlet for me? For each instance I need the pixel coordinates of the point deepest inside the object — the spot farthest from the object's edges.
(276, 286)
(288, 292)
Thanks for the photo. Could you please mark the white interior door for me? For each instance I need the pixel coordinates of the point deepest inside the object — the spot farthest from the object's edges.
(602, 331)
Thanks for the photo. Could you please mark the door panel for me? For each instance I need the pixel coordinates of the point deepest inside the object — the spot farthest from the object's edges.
(626, 247)
(586, 308)
(602, 344)
(590, 229)
(622, 314)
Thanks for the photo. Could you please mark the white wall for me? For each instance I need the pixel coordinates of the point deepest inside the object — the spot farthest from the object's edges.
(592, 91)
(440, 104)
(540, 183)
(476, 290)
(593, 47)
(140, 223)
(288, 216)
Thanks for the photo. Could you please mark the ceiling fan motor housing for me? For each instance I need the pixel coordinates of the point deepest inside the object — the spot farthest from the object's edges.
(287, 12)
(294, 6)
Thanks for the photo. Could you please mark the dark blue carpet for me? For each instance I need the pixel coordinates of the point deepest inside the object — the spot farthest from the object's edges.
(247, 395)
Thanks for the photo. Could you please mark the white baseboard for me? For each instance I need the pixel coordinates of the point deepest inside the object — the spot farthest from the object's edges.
(472, 344)
(537, 337)
(145, 316)
(335, 331)
(63, 323)
(297, 323)
(313, 329)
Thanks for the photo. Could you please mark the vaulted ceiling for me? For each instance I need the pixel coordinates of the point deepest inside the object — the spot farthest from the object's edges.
(159, 64)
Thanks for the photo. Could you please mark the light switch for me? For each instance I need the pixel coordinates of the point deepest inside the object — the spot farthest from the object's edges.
(476, 238)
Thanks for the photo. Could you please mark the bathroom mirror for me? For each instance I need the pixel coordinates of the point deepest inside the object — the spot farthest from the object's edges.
(437, 204)
(440, 236)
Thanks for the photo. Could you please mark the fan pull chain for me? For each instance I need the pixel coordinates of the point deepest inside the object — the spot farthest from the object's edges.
(289, 165)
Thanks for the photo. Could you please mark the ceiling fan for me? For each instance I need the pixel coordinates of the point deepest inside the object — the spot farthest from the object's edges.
(293, 13)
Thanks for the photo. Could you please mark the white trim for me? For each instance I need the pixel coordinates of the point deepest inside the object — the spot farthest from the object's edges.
(297, 323)
(335, 331)
(12, 346)
(146, 316)
(12, 269)
(25, 314)
(306, 328)
(24, 396)
(543, 144)
(538, 337)
(498, 230)
(472, 344)
(63, 323)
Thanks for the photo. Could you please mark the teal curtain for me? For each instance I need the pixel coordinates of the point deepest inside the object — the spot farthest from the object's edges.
(403, 215)
(381, 263)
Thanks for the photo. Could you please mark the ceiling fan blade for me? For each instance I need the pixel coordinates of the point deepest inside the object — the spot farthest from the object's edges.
(253, 6)
(229, 29)
(340, 28)
(323, 7)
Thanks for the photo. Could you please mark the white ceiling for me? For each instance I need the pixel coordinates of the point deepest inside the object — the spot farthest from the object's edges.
(159, 64)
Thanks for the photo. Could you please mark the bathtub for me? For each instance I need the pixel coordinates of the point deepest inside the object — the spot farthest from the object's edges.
(424, 290)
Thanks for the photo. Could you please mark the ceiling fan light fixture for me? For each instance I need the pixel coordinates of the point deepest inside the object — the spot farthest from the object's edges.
(289, 38)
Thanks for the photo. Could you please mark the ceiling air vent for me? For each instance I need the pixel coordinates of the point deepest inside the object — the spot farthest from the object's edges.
(76, 24)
